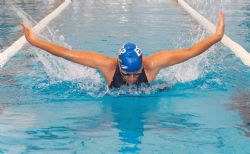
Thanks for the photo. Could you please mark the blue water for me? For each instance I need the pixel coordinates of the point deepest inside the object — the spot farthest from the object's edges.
(49, 105)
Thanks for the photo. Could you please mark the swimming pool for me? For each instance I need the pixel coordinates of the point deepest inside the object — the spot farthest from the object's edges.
(49, 105)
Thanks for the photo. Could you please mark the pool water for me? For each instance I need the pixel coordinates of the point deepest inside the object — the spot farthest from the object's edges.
(50, 105)
(10, 28)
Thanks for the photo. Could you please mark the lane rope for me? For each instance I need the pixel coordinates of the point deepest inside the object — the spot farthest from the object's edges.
(238, 50)
(17, 45)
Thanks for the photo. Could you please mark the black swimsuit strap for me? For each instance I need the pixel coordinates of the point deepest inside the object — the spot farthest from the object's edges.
(118, 80)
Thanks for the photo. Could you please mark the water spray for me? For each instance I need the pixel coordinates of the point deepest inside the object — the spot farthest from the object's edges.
(16, 46)
(238, 50)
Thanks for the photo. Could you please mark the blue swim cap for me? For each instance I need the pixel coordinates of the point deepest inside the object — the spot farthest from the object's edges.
(130, 58)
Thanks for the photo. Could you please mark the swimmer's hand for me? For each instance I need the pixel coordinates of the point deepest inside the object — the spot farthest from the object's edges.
(220, 26)
(30, 36)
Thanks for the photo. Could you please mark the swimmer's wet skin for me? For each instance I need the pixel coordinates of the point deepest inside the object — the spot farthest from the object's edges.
(130, 67)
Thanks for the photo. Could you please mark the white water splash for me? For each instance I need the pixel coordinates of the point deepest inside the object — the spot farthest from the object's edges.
(59, 69)
(196, 67)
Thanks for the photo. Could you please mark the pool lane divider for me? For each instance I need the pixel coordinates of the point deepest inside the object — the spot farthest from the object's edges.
(17, 45)
(238, 50)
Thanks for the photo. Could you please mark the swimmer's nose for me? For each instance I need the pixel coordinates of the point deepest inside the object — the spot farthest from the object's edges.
(131, 79)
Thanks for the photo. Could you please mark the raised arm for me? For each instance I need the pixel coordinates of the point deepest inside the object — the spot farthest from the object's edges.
(163, 58)
(87, 58)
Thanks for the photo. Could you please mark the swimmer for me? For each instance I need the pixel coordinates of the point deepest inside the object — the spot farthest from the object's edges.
(130, 67)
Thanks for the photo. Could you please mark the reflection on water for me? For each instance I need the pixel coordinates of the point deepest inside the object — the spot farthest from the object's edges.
(241, 103)
(124, 122)
(129, 118)
(131, 124)
(141, 118)
(45, 117)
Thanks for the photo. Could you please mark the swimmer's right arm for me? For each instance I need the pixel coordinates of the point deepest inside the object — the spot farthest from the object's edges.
(87, 58)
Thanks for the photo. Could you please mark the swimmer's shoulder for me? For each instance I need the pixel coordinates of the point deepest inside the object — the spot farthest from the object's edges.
(149, 69)
(108, 69)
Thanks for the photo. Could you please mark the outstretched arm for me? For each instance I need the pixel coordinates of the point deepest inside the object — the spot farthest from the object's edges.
(87, 58)
(163, 59)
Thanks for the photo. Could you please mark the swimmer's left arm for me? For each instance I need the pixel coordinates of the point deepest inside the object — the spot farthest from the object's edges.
(167, 58)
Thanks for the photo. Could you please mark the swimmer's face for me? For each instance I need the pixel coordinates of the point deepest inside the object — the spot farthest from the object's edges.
(130, 78)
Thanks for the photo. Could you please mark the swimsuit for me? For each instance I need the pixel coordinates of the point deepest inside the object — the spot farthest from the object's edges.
(118, 80)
